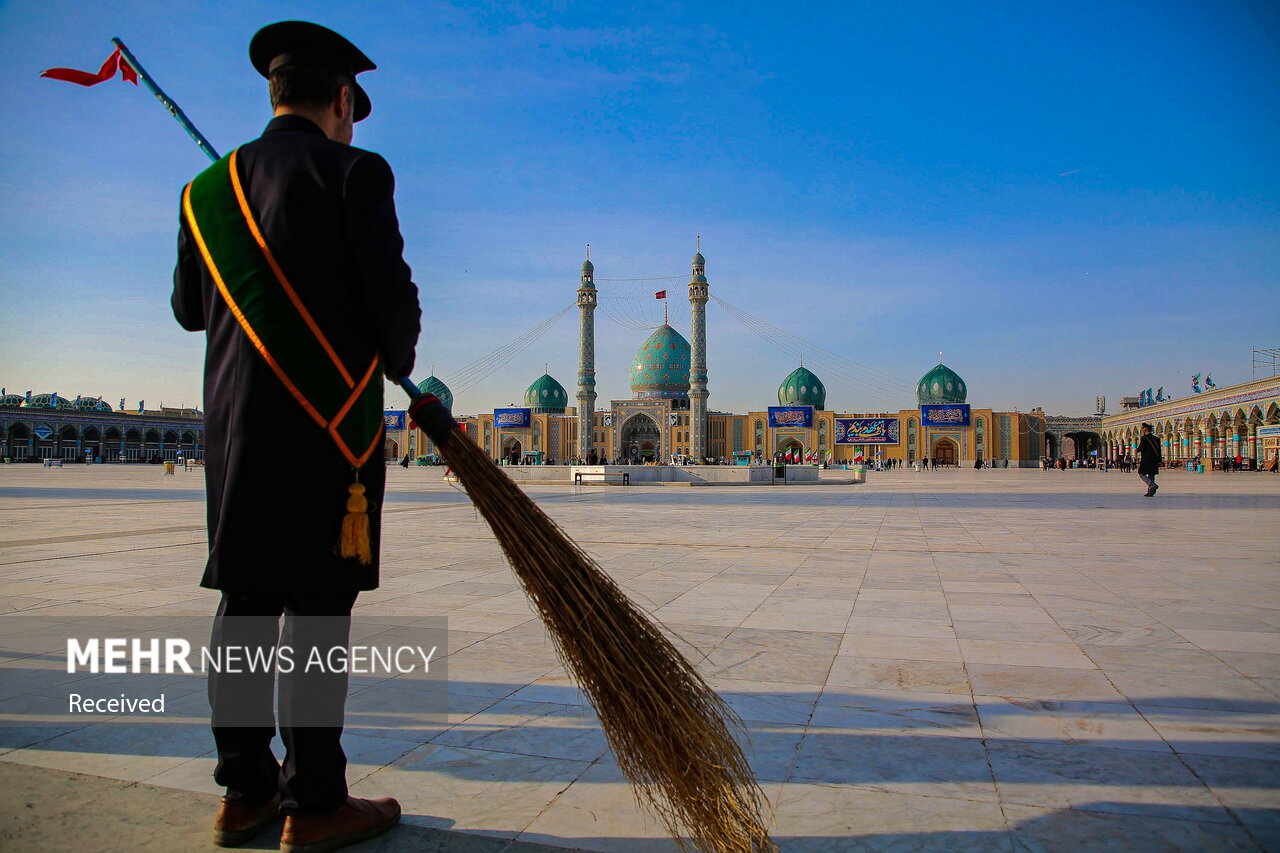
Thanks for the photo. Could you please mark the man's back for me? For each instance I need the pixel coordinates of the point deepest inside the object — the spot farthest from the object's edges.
(326, 211)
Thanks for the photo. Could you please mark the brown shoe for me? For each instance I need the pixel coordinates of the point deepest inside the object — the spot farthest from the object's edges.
(238, 824)
(357, 820)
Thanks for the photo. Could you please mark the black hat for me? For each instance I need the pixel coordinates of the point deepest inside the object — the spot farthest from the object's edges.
(308, 44)
(1149, 426)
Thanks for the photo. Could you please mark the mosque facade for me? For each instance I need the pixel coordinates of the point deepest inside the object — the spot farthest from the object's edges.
(667, 417)
(51, 426)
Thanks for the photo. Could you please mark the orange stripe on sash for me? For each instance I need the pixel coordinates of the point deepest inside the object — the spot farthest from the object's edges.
(240, 318)
(280, 277)
(337, 419)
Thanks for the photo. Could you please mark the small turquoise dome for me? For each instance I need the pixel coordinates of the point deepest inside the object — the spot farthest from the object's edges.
(661, 367)
(13, 400)
(802, 388)
(92, 404)
(698, 259)
(432, 385)
(587, 266)
(50, 401)
(546, 395)
(941, 385)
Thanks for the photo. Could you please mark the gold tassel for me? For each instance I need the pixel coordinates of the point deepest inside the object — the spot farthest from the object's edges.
(354, 541)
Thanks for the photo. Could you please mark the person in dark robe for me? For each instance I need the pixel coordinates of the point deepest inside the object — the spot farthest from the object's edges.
(1149, 459)
(326, 211)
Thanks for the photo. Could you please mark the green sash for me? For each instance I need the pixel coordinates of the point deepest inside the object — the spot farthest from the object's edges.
(347, 404)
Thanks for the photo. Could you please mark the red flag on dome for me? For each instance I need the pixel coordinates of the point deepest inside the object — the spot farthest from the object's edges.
(115, 62)
(661, 294)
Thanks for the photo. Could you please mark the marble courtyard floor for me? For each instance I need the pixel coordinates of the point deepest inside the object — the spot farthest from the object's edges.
(995, 660)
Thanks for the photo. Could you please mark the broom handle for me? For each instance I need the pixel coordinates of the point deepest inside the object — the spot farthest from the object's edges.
(428, 412)
(409, 388)
(169, 103)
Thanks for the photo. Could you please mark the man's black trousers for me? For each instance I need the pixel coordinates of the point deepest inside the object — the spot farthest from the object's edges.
(312, 779)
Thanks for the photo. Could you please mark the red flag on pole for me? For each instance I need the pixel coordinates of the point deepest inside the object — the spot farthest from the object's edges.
(115, 62)
(661, 294)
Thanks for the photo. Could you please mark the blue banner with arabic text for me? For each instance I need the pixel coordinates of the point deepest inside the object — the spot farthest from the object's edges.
(866, 431)
(512, 418)
(790, 416)
(945, 414)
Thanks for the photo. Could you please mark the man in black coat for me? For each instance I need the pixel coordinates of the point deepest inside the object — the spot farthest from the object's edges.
(1149, 459)
(327, 213)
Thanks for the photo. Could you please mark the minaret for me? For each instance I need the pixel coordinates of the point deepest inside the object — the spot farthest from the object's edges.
(698, 359)
(586, 357)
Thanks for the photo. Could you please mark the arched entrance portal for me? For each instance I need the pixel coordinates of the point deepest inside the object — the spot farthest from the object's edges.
(1080, 445)
(391, 449)
(946, 452)
(511, 449)
(790, 445)
(641, 438)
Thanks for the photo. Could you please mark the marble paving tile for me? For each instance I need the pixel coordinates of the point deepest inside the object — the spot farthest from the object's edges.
(896, 711)
(871, 609)
(118, 750)
(834, 620)
(913, 648)
(899, 627)
(884, 673)
(1225, 690)
(1110, 780)
(814, 818)
(1058, 655)
(1096, 724)
(1245, 734)
(1234, 641)
(1041, 682)
(488, 793)
(1248, 786)
(1149, 636)
(998, 613)
(1011, 632)
(1251, 664)
(1053, 830)
(599, 812)
(789, 619)
(1187, 660)
(948, 766)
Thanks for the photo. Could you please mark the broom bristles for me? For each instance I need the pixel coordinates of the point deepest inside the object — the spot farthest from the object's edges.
(672, 734)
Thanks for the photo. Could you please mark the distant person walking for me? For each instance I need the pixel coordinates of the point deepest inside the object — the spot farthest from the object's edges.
(1149, 459)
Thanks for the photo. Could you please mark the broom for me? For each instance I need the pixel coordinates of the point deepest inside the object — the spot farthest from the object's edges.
(672, 734)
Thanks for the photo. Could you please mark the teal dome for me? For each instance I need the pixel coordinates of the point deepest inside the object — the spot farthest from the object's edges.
(432, 385)
(941, 385)
(698, 259)
(587, 266)
(50, 401)
(13, 400)
(802, 388)
(546, 395)
(92, 404)
(661, 367)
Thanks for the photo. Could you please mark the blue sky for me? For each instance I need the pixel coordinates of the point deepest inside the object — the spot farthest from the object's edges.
(1068, 199)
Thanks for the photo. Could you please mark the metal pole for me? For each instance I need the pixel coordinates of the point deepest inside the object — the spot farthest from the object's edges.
(169, 103)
